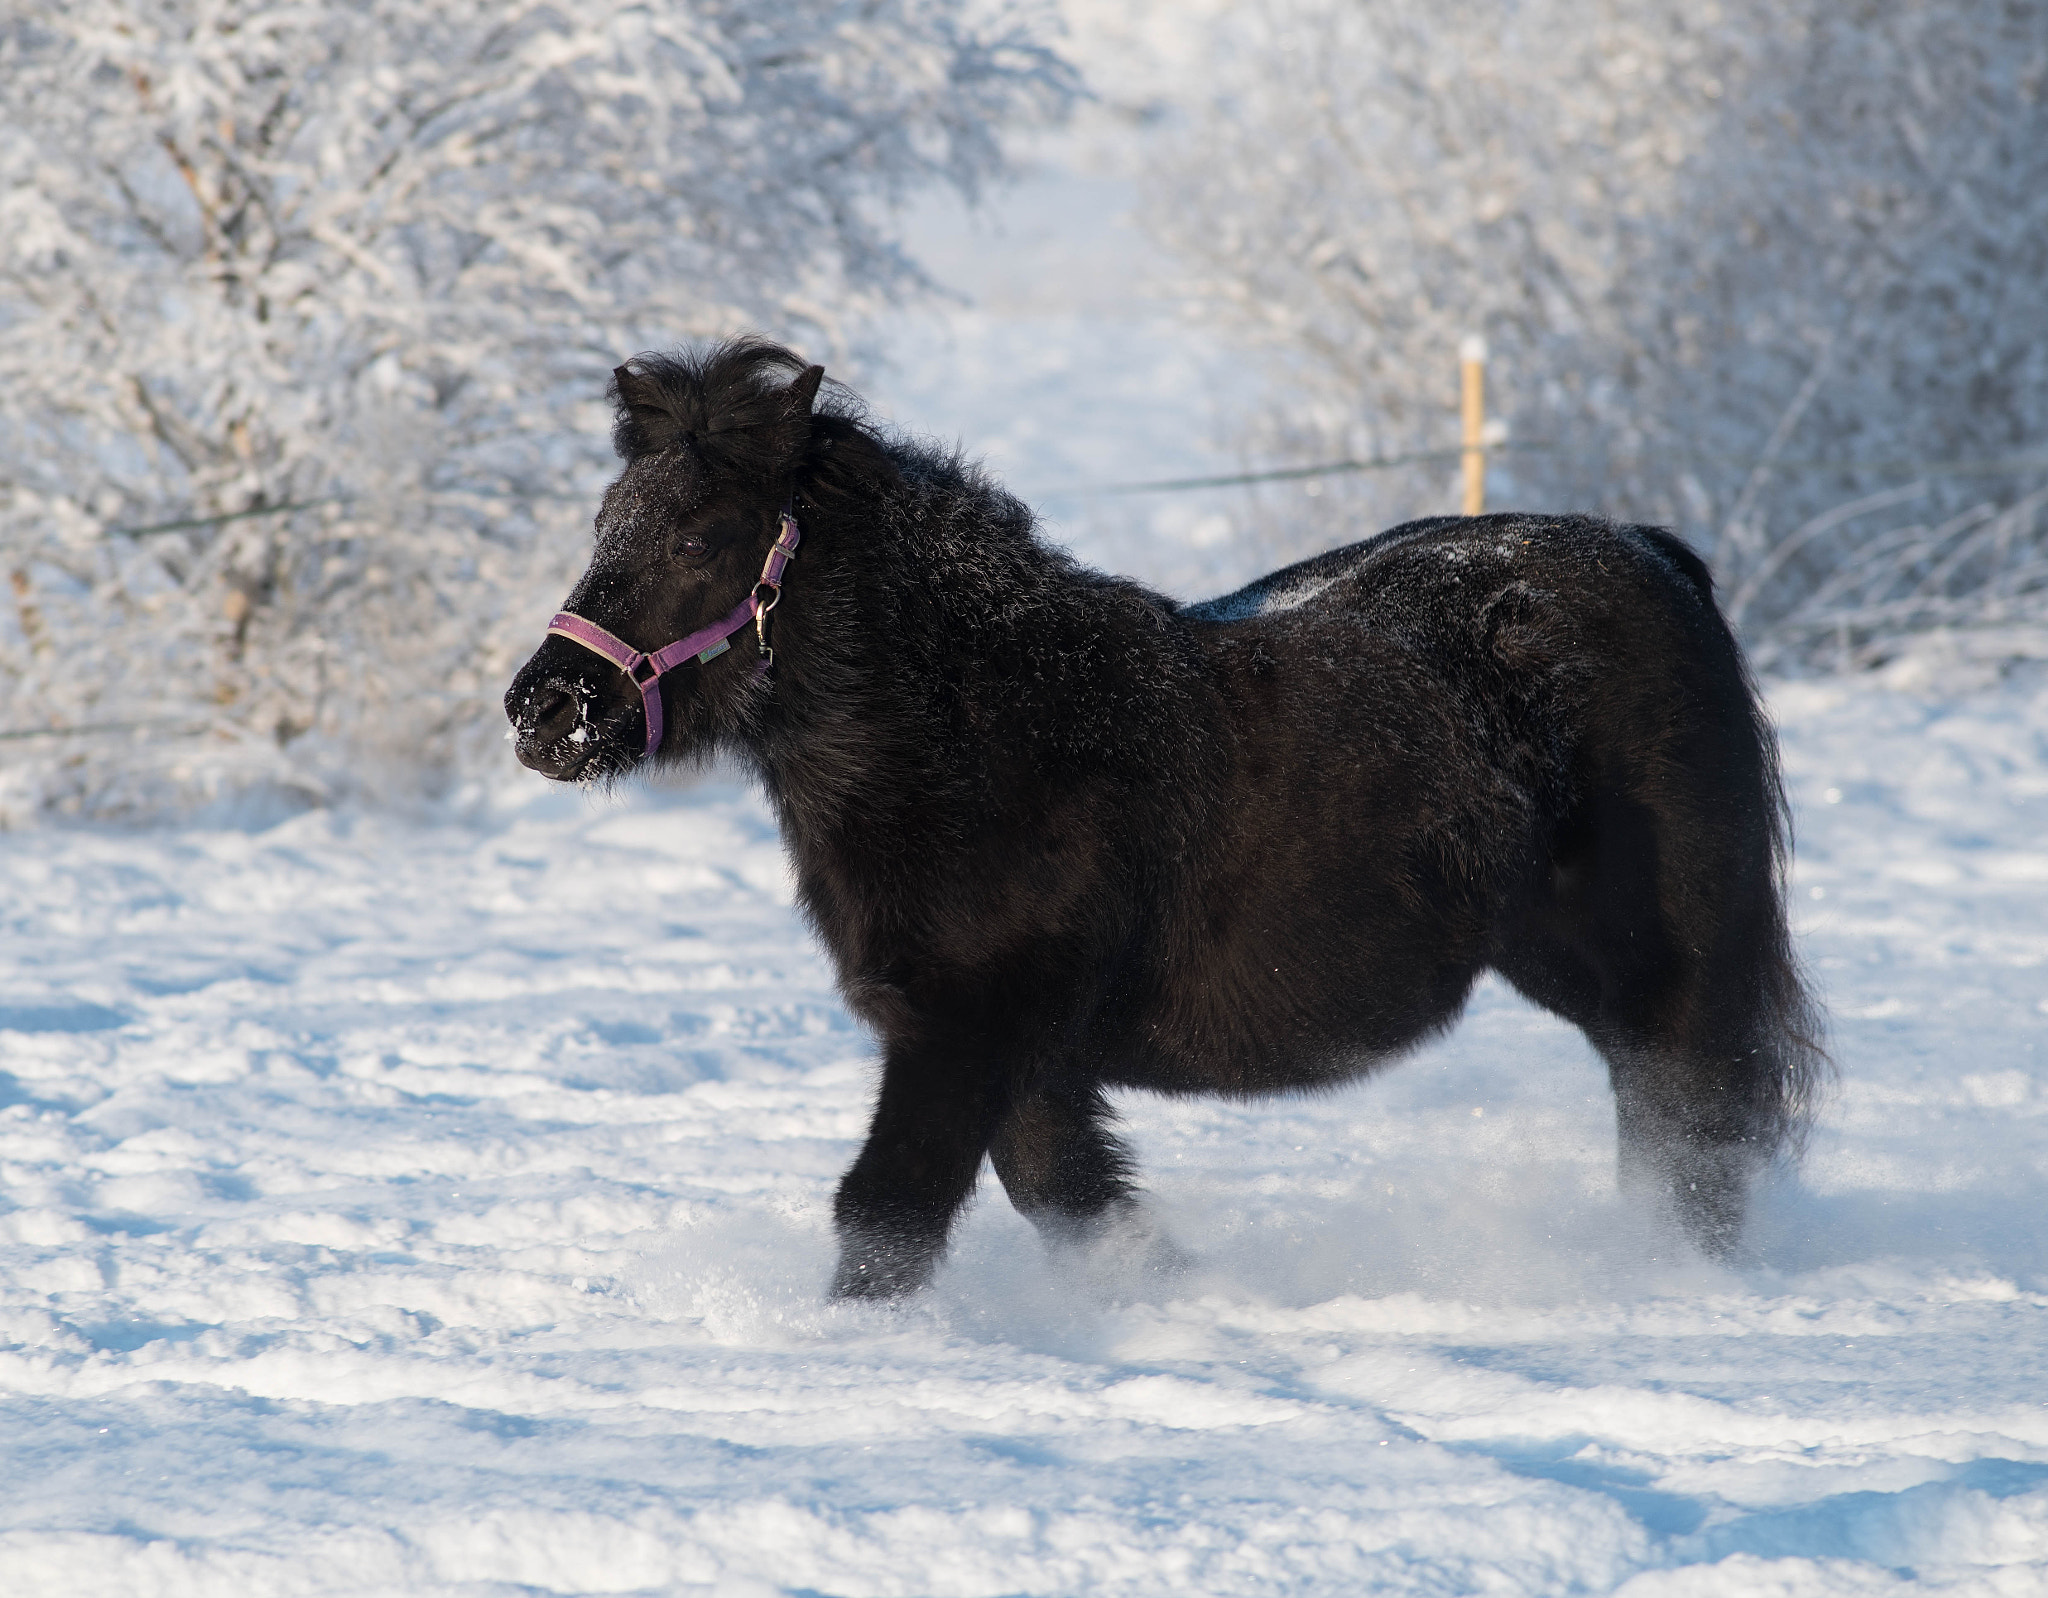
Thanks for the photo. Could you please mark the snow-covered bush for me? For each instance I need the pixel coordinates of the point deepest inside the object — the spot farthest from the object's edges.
(1717, 249)
(306, 312)
(1983, 570)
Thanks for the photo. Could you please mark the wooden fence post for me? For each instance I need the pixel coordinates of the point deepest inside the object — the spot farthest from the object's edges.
(1472, 366)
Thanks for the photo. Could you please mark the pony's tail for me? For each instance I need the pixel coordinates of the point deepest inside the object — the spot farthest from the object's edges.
(1795, 1067)
(1785, 1025)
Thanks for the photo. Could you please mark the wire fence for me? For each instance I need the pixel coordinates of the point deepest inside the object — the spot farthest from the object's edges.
(175, 728)
(1990, 466)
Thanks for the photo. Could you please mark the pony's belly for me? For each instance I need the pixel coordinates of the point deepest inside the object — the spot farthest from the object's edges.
(1247, 1055)
(1283, 1015)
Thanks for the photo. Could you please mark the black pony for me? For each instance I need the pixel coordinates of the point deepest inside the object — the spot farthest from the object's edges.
(1063, 834)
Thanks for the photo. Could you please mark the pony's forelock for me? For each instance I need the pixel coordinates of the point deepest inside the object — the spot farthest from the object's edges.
(730, 399)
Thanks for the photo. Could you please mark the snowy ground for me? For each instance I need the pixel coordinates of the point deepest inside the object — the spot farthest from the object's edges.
(424, 1208)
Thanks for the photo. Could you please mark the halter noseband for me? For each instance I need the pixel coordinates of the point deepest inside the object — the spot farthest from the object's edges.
(705, 644)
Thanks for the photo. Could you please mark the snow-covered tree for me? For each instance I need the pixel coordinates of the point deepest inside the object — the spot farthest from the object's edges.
(1710, 245)
(306, 309)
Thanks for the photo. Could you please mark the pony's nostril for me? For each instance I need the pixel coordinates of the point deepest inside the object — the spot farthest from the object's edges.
(555, 713)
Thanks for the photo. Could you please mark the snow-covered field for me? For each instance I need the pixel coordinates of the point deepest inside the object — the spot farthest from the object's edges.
(442, 1207)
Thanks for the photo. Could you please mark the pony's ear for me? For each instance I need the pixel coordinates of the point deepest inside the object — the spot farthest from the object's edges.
(798, 398)
(645, 423)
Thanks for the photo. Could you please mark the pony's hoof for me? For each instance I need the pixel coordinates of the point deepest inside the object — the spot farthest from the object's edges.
(871, 1280)
(1130, 1256)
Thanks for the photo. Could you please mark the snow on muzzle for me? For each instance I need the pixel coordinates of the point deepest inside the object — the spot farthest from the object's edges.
(572, 718)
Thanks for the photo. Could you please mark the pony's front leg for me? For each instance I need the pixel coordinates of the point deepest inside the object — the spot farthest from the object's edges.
(933, 1119)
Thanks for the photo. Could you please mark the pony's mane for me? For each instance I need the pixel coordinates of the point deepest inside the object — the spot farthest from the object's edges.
(728, 404)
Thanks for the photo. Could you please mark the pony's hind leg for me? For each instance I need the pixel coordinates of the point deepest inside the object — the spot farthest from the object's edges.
(1688, 1137)
(1712, 1048)
(1070, 1176)
(1667, 946)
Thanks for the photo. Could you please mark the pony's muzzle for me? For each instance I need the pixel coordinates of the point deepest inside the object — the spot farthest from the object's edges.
(545, 718)
(555, 710)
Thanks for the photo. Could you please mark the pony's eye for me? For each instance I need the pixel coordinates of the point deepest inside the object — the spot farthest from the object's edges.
(691, 547)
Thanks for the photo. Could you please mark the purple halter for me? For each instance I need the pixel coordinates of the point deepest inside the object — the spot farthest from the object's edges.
(706, 643)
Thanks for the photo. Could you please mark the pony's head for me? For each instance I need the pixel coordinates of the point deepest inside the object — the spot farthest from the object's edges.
(717, 443)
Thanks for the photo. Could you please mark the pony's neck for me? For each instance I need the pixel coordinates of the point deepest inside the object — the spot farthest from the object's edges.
(937, 642)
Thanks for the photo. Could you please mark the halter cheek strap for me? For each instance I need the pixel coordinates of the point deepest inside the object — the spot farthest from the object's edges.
(706, 643)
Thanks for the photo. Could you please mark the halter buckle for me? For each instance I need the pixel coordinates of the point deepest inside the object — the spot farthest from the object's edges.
(761, 609)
